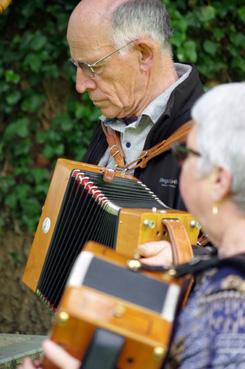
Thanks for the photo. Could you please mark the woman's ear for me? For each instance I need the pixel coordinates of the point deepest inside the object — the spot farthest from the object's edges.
(221, 184)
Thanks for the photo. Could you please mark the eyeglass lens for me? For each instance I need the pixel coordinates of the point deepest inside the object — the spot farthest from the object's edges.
(87, 70)
(181, 151)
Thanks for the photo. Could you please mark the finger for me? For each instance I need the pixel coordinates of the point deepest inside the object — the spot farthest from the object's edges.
(153, 248)
(27, 364)
(59, 356)
(164, 257)
(37, 362)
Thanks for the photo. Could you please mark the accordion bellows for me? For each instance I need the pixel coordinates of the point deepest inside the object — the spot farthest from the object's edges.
(81, 206)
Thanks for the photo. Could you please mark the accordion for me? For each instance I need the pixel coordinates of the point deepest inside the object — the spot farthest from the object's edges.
(81, 206)
(109, 313)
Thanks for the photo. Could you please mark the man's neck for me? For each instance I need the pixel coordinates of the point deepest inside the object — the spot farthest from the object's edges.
(159, 81)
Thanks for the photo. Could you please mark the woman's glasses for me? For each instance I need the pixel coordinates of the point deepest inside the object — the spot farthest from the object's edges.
(180, 151)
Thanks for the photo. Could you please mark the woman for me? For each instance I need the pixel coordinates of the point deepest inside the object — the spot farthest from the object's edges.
(210, 330)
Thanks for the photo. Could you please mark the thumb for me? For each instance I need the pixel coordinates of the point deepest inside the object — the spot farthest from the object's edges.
(153, 248)
(59, 356)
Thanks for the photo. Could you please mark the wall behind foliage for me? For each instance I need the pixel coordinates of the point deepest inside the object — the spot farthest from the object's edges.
(41, 116)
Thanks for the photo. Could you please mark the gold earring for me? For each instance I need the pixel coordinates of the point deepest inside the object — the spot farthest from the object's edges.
(215, 209)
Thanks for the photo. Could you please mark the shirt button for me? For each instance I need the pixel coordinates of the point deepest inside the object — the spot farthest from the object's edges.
(128, 145)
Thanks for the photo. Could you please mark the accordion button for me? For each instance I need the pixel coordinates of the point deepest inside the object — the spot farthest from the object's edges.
(134, 265)
(159, 352)
(119, 311)
(63, 317)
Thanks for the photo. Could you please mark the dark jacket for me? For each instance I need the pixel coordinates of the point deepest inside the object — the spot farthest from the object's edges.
(162, 173)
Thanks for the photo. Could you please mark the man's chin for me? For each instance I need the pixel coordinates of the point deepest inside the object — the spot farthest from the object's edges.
(109, 113)
(108, 110)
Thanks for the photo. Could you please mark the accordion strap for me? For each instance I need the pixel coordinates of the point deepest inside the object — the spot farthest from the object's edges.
(116, 149)
(179, 240)
(198, 265)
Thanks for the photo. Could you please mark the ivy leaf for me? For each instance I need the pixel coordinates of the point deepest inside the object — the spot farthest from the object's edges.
(33, 103)
(51, 71)
(18, 127)
(63, 122)
(13, 97)
(206, 13)
(41, 137)
(21, 191)
(210, 47)
(50, 151)
(178, 38)
(38, 41)
(33, 62)
(20, 151)
(6, 184)
(40, 175)
(238, 39)
(241, 13)
(11, 200)
(188, 52)
(12, 76)
(218, 34)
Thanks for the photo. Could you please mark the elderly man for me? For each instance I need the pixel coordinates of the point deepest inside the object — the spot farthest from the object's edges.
(124, 61)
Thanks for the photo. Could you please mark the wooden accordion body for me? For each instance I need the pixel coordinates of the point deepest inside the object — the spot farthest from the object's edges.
(103, 293)
(81, 206)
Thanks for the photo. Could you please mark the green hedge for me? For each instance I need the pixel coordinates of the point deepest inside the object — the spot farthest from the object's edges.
(41, 116)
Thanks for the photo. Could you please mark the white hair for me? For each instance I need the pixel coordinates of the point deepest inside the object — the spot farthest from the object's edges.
(137, 18)
(220, 117)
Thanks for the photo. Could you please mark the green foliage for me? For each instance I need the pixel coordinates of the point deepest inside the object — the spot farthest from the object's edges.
(211, 35)
(42, 117)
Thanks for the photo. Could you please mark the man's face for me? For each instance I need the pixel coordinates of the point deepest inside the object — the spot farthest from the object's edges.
(118, 84)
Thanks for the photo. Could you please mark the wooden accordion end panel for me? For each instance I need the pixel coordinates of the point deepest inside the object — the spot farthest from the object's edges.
(103, 293)
(82, 206)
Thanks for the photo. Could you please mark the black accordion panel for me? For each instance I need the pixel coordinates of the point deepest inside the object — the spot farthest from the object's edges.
(126, 285)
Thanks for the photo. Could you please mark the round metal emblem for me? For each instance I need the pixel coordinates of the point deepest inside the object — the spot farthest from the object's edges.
(46, 225)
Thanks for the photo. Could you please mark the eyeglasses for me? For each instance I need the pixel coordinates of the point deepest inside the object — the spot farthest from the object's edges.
(90, 69)
(181, 151)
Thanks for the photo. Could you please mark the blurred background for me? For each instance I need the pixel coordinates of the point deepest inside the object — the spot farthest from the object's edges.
(42, 118)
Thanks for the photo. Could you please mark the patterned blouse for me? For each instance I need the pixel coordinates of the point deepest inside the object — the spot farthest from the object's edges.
(210, 331)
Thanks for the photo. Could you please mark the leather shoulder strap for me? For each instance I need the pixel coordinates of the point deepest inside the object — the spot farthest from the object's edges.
(114, 144)
(160, 148)
(116, 150)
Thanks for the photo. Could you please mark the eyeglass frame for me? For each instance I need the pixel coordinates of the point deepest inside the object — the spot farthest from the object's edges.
(90, 67)
(182, 148)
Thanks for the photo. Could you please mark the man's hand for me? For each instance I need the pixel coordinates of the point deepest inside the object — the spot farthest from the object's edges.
(156, 253)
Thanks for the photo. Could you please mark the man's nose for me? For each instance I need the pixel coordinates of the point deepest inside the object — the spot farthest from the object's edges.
(84, 82)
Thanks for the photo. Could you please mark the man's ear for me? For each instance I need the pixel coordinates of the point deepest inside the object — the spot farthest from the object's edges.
(221, 184)
(146, 50)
